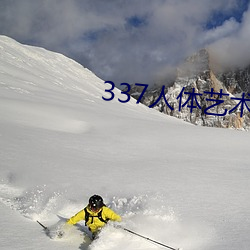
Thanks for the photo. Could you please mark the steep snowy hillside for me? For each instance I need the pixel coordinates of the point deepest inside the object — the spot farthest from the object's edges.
(179, 184)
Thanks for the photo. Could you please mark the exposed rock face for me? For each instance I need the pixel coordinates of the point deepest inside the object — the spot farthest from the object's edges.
(236, 80)
(194, 77)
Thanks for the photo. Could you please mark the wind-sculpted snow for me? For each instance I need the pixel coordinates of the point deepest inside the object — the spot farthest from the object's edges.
(42, 116)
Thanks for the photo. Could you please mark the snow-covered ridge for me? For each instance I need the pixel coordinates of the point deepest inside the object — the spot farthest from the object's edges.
(26, 69)
(33, 74)
(36, 75)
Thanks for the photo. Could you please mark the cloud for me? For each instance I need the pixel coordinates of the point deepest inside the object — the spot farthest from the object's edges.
(232, 50)
(124, 41)
(228, 28)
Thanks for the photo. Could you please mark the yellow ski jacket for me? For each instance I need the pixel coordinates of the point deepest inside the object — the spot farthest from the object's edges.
(94, 223)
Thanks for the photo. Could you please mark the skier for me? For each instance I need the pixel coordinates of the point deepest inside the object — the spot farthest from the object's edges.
(95, 214)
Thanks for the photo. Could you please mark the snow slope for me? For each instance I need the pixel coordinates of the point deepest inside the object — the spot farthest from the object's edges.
(60, 142)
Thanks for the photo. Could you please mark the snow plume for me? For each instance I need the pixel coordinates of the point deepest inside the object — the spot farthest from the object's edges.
(147, 215)
(127, 41)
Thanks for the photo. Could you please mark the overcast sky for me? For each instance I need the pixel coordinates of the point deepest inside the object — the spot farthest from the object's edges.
(131, 40)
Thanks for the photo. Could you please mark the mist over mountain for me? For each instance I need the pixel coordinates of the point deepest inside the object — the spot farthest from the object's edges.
(203, 71)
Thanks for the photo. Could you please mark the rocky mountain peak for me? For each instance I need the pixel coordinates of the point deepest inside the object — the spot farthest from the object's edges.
(197, 64)
(196, 77)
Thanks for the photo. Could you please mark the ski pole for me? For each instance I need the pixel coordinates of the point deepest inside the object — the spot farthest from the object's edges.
(146, 238)
(45, 228)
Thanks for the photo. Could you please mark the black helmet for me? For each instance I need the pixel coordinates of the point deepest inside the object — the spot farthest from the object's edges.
(95, 202)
